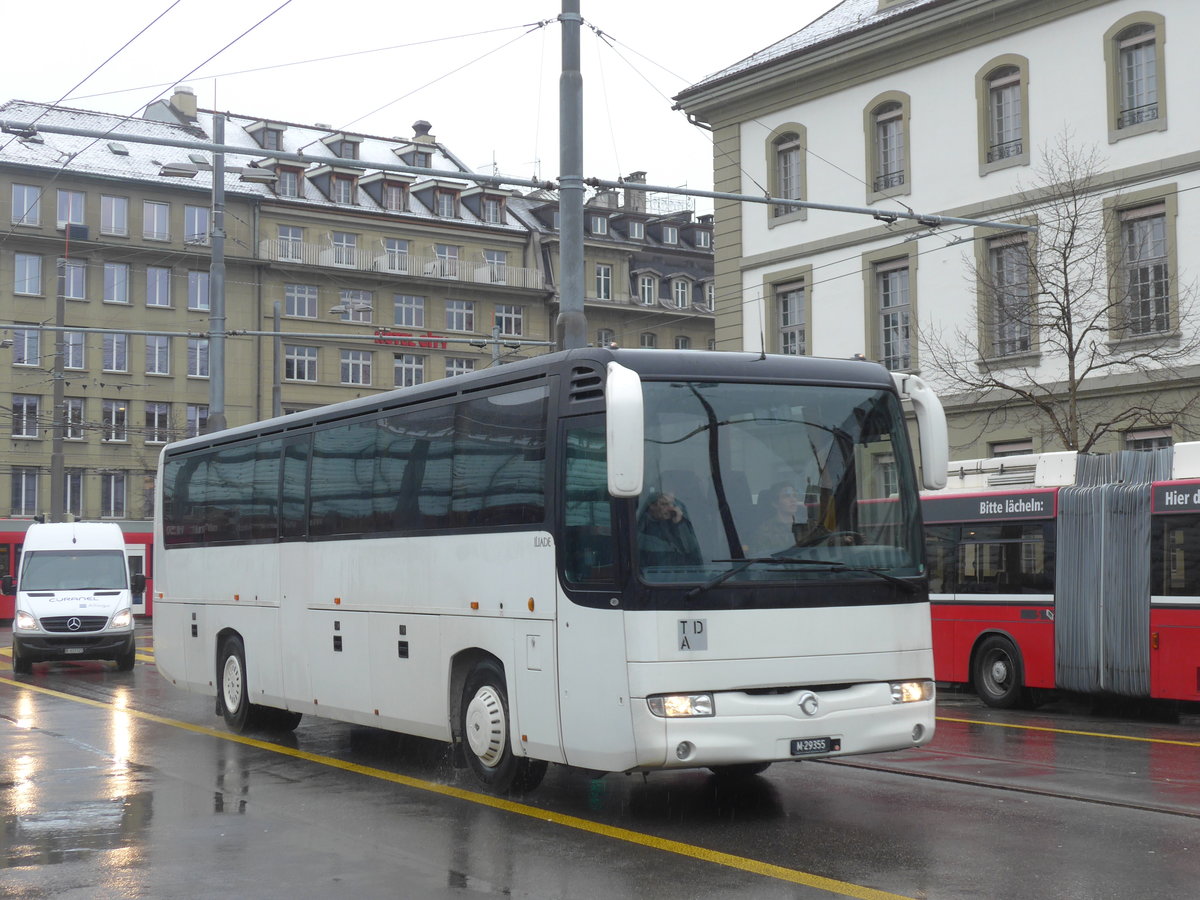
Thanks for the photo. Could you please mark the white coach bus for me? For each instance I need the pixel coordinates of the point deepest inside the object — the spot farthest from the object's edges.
(563, 560)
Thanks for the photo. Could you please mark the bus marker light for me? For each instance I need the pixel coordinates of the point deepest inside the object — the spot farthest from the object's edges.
(531, 604)
(474, 604)
(237, 597)
(337, 601)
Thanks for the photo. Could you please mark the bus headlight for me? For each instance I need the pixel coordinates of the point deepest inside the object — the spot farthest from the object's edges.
(678, 706)
(24, 621)
(122, 619)
(911, 691)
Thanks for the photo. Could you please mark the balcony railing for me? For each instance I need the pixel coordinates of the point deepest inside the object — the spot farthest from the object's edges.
(1007, 150)
(1137, 115)
(399, 263)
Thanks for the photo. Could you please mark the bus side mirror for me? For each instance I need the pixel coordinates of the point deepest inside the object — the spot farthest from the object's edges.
(932, 433)
(137, 583)
(6, 585)
(625, 428)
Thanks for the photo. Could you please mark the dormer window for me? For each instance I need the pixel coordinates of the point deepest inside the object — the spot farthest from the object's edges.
(703, 240)
(271, 139)
(395, 197)
(670, 234)
(341, 189)
(599, 225)
(287, 183)
(637, 230)
(422, 159)
(445, 203)
(345, 149)
(492, 209)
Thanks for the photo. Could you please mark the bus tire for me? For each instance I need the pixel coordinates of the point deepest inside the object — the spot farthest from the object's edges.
(739, 771)
(239, 713)
(486, 735)
(998, 673)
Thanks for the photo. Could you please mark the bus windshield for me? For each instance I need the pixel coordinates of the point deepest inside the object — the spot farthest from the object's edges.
(70, 570)
(736, 472)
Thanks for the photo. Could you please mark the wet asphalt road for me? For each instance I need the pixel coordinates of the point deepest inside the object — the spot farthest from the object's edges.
(118, 785)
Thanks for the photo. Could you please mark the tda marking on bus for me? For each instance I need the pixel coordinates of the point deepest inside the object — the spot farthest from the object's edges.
(693, 634)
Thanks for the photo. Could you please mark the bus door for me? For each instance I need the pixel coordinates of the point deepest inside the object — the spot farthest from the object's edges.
(136, 554)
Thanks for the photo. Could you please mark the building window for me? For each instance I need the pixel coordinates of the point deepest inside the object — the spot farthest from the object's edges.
(460, 315)
(26, 204)
(510, 319)
(681, 290)
(114, 215)
(599, 224)
(787, 171)
(158, 354)
(25, 415)
(409, 369)
(603, 281)
(195, 224)
(342, 188)
(27, 273)
(113, 420)
(447, 261)
(197, 419)
(344, 149)
(649, 340)
(422, 159)
(27, 347)
(198, 290)
(670, 234)
(112, 495)
(73, 492)
(73, 414)
(493, 210)
(24, 491)
(395, 254)
(116, 353)
(410, 310)
(357, 305)
(703, 240)
(287, 183)
(395, 197)
(637, 229)
(158, 286)
(156, 219)
(299, 363)
(791, 300)
(116, 282)
(70, 208)
(73, 349)
(894, 311)
(605, 337)
(683, 342)
(72, 279)
(271, 139)
(647, 290)
(197, 357)
(1012, 309)
(356, 367)
(458, 366)
(710, 295)
(445, 203)
(497, 265)
(1005, 114)
(1147, 273)
(158, 423)
(290, 243)
(345, 248)
(300, 300)
(1148, 439)
(888, 146)
(1134, 53)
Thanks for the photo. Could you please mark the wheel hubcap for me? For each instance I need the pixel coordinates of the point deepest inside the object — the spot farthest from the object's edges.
(999, 671)
(485, 728)
(232, 684)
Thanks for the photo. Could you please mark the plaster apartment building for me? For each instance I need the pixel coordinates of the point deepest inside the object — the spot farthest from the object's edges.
(1046, 114)
(344, 275)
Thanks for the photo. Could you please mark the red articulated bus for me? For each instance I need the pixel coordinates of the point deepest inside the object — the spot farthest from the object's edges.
(139, 542)
(1068, 571)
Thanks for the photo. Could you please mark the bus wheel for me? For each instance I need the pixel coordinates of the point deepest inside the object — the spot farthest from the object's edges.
(485, 734)
(998, 673)
(236, 708)
(740, 770)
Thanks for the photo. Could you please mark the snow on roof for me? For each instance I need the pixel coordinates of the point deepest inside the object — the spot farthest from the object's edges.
(848, 17)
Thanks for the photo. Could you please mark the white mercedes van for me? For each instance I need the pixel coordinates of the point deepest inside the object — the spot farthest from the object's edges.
(73, 595)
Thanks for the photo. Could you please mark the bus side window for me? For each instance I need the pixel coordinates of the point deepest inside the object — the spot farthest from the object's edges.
(588, 553)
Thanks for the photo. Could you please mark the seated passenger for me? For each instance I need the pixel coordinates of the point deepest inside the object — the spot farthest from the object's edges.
(665, 536)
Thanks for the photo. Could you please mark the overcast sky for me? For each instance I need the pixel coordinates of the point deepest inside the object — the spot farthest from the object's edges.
(481, 72)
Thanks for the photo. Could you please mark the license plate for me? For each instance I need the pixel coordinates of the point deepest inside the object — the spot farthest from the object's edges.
(806, 746)
(71, 650)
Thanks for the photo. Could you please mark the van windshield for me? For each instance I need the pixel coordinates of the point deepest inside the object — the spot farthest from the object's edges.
(72, 570)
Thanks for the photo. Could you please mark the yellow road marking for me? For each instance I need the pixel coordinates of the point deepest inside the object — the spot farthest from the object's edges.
(1098, 734)
(729, 860)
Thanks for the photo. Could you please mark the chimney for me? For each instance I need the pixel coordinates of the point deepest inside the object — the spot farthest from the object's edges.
(421, 133)
(183, 102)
(635, 201)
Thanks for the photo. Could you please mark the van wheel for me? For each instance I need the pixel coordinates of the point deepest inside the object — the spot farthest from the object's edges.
(20, 664)
(485, 729)
(125, 661)
(999, 675)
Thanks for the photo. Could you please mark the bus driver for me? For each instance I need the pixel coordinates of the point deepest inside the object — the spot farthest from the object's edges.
(665, 535)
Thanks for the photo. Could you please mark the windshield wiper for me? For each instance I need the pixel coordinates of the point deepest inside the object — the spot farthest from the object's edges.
(829, 565)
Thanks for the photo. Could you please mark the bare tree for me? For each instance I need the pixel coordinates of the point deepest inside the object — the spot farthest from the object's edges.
(1089, 299)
